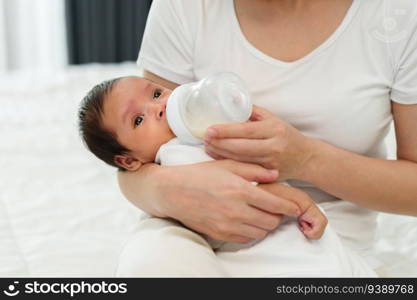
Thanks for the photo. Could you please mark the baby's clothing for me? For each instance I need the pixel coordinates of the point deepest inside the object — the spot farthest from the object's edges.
(174, 153)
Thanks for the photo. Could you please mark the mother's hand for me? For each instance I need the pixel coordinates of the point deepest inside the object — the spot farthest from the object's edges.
(215, 198)
(266, 141)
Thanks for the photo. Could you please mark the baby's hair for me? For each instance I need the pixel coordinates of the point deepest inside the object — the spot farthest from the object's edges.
(101, 142)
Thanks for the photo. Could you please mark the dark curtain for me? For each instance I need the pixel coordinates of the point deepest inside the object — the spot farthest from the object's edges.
(105, 31)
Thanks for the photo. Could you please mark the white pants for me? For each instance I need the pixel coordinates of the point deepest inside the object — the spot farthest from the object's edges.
(163, 248)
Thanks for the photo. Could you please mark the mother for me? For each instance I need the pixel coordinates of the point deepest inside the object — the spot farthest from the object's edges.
(332, 76)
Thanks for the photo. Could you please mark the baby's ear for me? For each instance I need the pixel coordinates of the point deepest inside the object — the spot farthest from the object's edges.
(127, 162)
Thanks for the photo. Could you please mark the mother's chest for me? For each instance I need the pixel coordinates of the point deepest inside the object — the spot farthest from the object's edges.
(352, 112)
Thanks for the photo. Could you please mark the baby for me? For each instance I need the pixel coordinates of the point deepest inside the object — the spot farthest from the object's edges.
(123, 122)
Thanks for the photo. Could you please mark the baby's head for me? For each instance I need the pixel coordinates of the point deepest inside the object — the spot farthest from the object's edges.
(123, 121)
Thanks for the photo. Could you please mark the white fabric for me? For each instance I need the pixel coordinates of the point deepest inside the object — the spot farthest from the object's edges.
(164, 248)
(174, 153)
(3, 49)
(339, 93)
(61, 211)
(32, 34)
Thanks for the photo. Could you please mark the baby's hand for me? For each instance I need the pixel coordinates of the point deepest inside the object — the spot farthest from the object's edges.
(312, 222)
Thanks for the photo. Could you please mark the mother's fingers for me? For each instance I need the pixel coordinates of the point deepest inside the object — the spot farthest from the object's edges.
(217, 153)
(292, 194)
(252, 231)
(249, 130)
(221, 154)
(262, 219)
(250, 172)
(234, 238)
(272, 204)
(242, 147)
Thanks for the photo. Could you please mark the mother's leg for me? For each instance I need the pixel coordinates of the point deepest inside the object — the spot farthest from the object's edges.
(164, 248)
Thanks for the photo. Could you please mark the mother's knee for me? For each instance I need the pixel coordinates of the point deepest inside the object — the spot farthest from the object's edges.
(162, 248)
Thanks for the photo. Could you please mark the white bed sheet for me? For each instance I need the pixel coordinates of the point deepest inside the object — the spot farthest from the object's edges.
(61, 213)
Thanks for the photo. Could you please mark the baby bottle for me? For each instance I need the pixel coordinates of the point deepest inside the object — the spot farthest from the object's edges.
(219, 98)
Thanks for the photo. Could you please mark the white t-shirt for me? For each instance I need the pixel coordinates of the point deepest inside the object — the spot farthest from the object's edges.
(339, 93)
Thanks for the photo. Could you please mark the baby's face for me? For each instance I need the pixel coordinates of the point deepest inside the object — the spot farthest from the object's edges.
(135, 111)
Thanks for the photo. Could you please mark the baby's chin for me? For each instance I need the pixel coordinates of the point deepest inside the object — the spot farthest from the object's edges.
(169, 135)
(152, 157)
(167, 138)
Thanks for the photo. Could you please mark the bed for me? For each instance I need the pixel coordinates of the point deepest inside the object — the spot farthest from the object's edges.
(61, 212)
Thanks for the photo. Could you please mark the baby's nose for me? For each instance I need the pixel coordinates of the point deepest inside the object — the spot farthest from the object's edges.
(160, 110)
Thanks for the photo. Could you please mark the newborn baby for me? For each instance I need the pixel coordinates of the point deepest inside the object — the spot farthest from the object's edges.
(123, 122)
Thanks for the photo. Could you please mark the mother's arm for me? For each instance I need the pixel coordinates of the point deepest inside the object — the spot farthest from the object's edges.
(385, 185)
(379, 184)
(214, 198)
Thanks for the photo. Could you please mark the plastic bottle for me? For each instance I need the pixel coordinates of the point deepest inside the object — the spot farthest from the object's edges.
(216, 99)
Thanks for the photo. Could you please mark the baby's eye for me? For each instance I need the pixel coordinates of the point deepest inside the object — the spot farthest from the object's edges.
(157, 94)
(138, 120)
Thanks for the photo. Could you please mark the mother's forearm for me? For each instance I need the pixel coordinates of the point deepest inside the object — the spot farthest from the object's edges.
(379, 184)
(139, 188)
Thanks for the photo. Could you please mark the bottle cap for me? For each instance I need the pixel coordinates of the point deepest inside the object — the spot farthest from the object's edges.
(174, 115)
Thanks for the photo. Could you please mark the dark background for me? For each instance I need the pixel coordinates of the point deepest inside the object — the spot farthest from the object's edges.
(105, 31)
